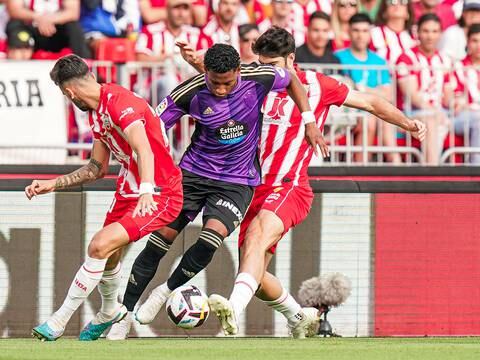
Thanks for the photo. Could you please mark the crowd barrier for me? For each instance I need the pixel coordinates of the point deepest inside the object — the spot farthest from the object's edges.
(32, 107)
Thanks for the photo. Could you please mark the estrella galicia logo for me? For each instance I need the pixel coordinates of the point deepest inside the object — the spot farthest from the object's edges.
(232, 132)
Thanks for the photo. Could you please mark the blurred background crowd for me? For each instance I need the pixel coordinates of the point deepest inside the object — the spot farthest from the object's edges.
(419, 54)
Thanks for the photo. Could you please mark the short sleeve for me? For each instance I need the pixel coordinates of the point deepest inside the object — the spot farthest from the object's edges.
(385, 78)
(281, 79)
(333, 92)
(403, 64)
(144, 42)
(169, 112)
(127, 109)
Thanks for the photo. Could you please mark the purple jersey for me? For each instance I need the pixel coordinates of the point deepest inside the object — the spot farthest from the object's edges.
(227, 130)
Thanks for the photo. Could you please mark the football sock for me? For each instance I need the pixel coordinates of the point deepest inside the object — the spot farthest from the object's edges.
(288, 306)
(85, 281)
(144, 268)
(243, 291)
(108, 289)
(196, 258)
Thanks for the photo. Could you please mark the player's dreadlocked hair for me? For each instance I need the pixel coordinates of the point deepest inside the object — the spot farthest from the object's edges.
(221, 58)
(274, 42)
(67, 68)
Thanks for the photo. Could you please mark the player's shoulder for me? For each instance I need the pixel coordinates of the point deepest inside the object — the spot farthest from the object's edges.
(375, 59)
(155, 28)
(184, 92)
(118, 96)
(258, 70)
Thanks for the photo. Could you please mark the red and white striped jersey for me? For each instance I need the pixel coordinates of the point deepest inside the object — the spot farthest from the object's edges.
(212, 33)
(301, 15)
(156, 39)
(467, 77)
(44, 6)
(266, 24)
(119, 108)
(430, 72)
(389, 44)
(284, 152)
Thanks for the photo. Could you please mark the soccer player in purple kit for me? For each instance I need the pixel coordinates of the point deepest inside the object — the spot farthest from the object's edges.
(220, 167)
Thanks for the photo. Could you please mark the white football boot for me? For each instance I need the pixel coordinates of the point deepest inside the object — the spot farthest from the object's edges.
(151, 307)
(223, 309)
(307, 326)
(121, 329)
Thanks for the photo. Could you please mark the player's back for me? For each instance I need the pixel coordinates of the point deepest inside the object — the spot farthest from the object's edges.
(118, 109)
(284, 152)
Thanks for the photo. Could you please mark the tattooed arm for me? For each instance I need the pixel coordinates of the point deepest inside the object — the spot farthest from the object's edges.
(95, 169)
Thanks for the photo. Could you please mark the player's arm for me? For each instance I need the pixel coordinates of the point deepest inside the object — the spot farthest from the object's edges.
(299, 95)
(384, 110)
(95, 169)
(138, 140)
(69, 12)
(191, 55)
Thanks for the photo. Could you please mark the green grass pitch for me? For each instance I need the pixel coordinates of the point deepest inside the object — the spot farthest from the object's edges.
(244, 348)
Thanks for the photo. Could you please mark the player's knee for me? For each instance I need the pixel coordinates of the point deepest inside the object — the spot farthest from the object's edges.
(98, 247)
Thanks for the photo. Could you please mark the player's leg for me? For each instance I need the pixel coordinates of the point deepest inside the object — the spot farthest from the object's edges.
(263, 232)
(194, 260)
(102, 246)
(225, 207)
(302, 322)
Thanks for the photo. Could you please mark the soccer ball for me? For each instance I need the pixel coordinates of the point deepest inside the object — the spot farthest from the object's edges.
(187, 307)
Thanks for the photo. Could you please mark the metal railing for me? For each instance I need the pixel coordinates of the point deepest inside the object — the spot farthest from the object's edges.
(346, 130)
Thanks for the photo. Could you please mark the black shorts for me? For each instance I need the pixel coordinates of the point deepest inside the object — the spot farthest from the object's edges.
(219, 200)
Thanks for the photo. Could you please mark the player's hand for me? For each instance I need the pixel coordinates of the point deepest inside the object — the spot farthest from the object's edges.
(315, 138)
(146, 205)
(419, 130)
(39, 187)
(189, 54)
(45, 25)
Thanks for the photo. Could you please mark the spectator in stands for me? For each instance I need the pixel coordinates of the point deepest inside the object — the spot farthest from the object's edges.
(3, 26)
(454, 40)
(301, 12)
(366, 79)
(317, 48)
(104, 18)
(392, 36)
(424, 84)
(467, 94)
(20, 45)
(443, 11)
(53, 24)
(248, 35)
(222, 28)
(153, 11)
(370, 7)
(156, 43)
(282, 17)
(342, 11)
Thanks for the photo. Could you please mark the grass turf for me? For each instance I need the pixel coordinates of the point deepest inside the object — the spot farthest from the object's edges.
(244, 348)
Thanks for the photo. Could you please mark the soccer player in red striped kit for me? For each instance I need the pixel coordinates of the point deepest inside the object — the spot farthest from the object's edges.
(284, 198)
(148, 196)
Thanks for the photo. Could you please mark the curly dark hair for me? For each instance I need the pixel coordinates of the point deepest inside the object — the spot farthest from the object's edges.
(221, 58)
(67, 68)
(274, 42)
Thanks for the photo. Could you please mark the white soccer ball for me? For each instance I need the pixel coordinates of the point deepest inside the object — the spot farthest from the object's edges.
(187, 307)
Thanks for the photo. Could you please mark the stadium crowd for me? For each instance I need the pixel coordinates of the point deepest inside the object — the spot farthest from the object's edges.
(419, 54)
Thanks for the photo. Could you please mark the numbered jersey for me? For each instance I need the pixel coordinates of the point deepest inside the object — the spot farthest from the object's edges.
(284, 152)
(117, 110)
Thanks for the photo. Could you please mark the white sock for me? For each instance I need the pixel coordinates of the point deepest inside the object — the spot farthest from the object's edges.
(288, 306)
(243, 291)
(108, 288)
(164, 289)
(83, 284)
